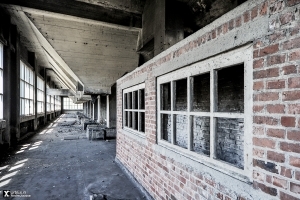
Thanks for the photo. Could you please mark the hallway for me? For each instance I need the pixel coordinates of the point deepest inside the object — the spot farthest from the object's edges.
(48, 166)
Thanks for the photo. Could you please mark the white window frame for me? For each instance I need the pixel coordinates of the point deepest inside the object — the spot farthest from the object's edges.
(69, 105)
(40, 95)
(138, 110)
(57, 103)
(239, 56)
(1, 81)
(26, 95)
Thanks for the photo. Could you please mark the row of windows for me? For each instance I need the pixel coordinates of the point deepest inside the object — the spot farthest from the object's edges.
(201, 113)
(69, 105)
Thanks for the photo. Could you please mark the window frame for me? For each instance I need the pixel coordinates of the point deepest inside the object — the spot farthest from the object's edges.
(242, 55)
(68, 102)
(1, 80)
(40, 90)
(30, 83)
(138, 110)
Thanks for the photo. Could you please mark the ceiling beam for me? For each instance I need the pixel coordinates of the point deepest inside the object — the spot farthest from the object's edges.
(83, 10)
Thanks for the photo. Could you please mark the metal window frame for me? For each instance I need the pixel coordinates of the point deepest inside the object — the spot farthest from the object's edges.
(238, 56)
(28, 80)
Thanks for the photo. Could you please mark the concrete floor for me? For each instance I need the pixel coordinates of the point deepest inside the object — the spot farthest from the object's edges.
(48, 167)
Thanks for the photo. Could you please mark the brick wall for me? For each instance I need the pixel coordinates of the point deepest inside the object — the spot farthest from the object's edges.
(276, 110)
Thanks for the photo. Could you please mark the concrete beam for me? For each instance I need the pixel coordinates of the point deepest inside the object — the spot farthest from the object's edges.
(59, 92)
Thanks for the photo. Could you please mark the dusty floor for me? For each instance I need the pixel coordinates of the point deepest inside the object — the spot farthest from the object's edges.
(48, 167)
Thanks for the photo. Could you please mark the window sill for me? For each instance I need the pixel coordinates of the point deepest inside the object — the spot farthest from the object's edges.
(218, 165)
(25, 118)
(135, 134)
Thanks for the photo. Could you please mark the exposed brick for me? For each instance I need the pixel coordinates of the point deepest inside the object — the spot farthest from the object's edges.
(292, 2)
(294, 82)
(295, 188)
(269, 179)
(279, 84)
(288, 121)
(219, 30)
(293, 135)
(257, 109)
(290, 69)
(258, 44)
(290, 147)
(268, 73)
(277, 36)
(258, 152)
(278, 157)
(254, 12)
(246, 16)
(265, 120)
(284, 196)
(278, 133)
(263, 142)
(279, 182)
(268, 166)
(258, 85)
(266, 96)
(264, 188)
(263, 8)
(213, 34)
(294, 109)
(294, 55)
(231, 24)
(258, 63)
(258, 176)
(276, 59)
(255, 53)
(294, 161)
(291, 95)
(297, 175)
(286, 18)
(286, 172)
(291, 44)
(269, 50)
(277, 7)
(225, 28)
(238, 21)
(258, 130)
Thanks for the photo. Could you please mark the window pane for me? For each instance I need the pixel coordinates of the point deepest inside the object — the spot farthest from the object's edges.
(130, 120)
(166, 127)
(135, 121)
(180, 95)
(230, 141)
(142, 99)
(135, 100)
(126, 119)
(231, 89)
(181, 131)
(125, 101)
(201, 93)
(165, 96)
(142, 122)
(129, 100)
(201, 135)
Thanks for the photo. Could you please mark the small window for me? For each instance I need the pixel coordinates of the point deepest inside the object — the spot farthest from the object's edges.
(134, 108)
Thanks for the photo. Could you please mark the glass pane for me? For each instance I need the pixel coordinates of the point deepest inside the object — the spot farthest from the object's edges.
(125, 101)
(230, 141)
(129, 100)
(142, 122)
(231, 89)
(181, 131)
(135, 121)
(126, 119)
(201, 93)
(165, 96)
(142, 99)
(201, 135)
(180, 95)
(166, 126)
(135, 100)
(130, 119)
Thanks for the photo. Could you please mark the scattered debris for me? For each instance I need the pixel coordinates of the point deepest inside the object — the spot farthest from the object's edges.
(71, 137)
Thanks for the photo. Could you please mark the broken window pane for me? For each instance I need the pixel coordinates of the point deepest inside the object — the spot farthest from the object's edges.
(135, 100)
(231, 89)
(135, 121)
(142, 122)
(129, 101)
(201, 93)
(142, 99)
(166, 127)
(181, 131)
(230, 141)
(166, 96)
(201, 135)
(180, 95)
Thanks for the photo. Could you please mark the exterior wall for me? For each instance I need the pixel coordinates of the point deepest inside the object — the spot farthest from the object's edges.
(273, 29)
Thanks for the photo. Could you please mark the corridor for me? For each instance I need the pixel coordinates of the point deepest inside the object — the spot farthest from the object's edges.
(53, 164)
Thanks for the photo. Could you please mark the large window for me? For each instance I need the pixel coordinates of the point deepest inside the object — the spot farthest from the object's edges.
(1, 81)
(69, 105)
(134, 108)
(26, 90)
(48, 100)
(40, 95)
(52, 103)
(57, 103)
(204, 111)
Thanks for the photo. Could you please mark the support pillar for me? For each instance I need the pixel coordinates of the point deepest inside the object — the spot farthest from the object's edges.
(107, 111)
(99, 109)
(33, 63)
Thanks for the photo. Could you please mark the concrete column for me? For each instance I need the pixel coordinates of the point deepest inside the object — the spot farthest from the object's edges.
(159, 26)
(11, 83)
(107, 111)
(93, 111)
(99, 109)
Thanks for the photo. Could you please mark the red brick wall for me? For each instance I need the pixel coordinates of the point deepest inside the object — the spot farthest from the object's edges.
(276, 109)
